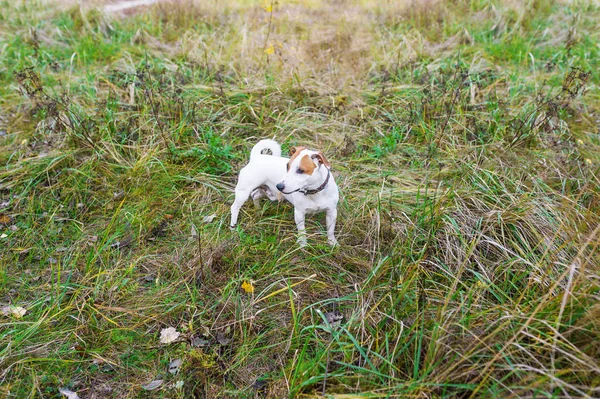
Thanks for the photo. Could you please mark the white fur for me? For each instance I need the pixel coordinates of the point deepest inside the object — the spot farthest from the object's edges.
(262, 174)
(266, 144)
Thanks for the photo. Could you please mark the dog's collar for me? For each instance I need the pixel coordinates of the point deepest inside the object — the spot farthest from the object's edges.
(318, 189)
(313, 190)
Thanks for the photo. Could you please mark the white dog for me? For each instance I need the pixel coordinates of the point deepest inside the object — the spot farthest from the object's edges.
(304, 180)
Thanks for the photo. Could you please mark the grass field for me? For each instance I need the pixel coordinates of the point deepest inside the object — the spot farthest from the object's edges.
(464, 137)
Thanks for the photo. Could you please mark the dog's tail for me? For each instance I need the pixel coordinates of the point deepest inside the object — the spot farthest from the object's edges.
(266, 144)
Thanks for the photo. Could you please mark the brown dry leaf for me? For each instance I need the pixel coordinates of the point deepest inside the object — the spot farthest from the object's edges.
(197, 341)
(125, 242)
(221, 339)
(334, 319)
(4, 219)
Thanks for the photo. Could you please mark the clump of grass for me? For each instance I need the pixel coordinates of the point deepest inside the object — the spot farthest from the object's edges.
(463, 139)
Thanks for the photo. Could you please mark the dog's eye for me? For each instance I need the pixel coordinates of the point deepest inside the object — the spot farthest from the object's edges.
(299, 171)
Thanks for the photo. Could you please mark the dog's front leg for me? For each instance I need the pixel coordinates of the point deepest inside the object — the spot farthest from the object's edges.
(330, 218)
(299, 218)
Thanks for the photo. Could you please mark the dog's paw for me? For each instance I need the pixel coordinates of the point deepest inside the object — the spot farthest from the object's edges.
(333, 242)
(232, 228)
(302, 242)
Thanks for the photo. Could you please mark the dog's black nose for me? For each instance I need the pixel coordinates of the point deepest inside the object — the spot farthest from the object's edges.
(280, 186)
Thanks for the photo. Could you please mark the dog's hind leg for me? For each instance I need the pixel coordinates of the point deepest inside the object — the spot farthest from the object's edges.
(241, 195)
(270, 194)
(257, 194)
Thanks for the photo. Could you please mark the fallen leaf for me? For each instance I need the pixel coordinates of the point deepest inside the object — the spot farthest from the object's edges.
(160, 230)
(197, 341)
(174, 366)
(15, 311)
(168, 335)
(260, 385)
(68, 393)
(194, 232)
(209, 219)
(3, 236)
(4, 219)
(119, 195)
(126, 241)
(151, 386)
(248, 287)
(334, 319)
(222, 340)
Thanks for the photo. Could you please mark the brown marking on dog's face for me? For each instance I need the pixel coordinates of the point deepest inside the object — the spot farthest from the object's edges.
(321, 158)
(294, 152)
(307, 165)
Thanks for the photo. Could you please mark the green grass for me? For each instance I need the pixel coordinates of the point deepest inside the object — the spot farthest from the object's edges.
(464, 139)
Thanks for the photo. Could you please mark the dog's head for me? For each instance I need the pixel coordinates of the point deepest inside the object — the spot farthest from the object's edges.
(305, 169)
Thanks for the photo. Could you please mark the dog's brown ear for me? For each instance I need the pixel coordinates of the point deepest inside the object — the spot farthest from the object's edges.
(294, 150)
(321, 159)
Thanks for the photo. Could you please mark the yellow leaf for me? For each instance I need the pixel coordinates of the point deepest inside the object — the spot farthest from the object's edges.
(248, 287)
(268, 8)
(270, 49)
